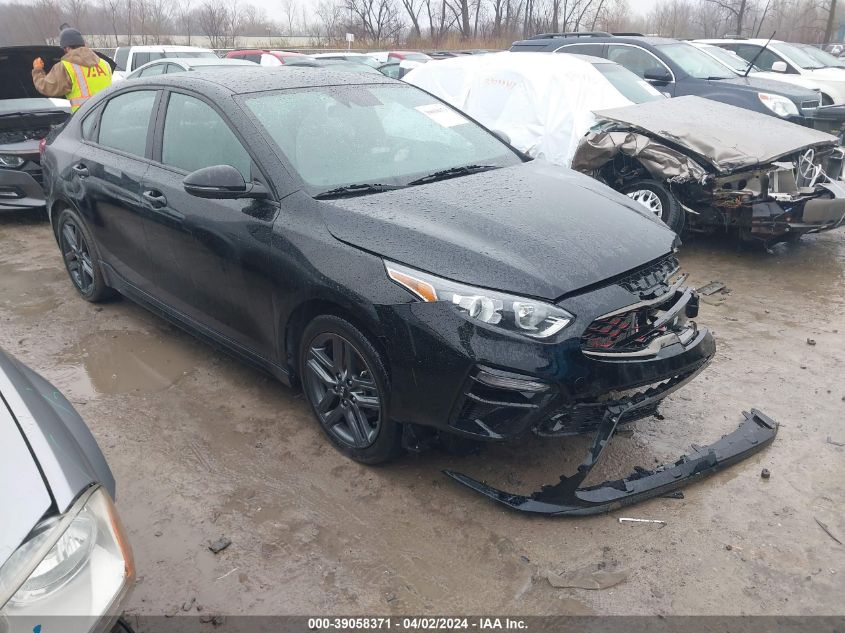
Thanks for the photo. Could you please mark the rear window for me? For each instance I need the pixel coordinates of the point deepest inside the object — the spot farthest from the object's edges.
(632, 87)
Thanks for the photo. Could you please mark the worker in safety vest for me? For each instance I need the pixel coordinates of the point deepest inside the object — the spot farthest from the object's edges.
(80, 75)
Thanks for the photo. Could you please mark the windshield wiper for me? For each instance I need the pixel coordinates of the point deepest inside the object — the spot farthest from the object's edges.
(452, 172)
(356, 190)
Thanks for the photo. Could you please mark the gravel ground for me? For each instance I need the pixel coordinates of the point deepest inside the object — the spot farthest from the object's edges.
(204, 447)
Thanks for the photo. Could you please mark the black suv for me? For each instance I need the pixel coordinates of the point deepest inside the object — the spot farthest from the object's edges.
(678, 68)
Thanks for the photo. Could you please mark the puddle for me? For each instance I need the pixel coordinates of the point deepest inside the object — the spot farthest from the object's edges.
(123, 362)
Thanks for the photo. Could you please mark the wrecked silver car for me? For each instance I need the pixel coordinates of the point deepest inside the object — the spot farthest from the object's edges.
(715, 168)
(697, 164)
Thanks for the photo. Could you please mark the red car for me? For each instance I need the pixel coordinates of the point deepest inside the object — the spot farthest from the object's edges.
(263, 57)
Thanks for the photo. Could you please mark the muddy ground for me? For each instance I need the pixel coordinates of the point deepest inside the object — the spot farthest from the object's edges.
(204, 447)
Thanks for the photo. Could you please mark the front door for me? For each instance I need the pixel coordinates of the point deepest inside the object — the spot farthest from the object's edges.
(212, 256)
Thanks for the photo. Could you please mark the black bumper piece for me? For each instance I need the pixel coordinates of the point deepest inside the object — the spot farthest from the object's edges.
(566, 498)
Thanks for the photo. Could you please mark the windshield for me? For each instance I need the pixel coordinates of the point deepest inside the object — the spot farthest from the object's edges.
(728, 58)
(390, 134)
(416, 57)
(822, 57)
(797, 55)
(630, 85)
(694, 62)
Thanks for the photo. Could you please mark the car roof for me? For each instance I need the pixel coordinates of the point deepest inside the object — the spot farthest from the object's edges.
(166, 47)
(560, 40)
(206, 61)
(256, 78)
(756, 41)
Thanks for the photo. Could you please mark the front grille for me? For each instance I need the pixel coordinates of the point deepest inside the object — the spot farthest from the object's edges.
(652, 280)
(810, 105)
(629, 331)
(662, 312)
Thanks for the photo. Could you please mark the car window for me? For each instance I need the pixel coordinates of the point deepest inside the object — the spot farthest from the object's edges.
(694, 62)
(634, 58)
(582, 49)
(174, 68)
(390, 70)
(155, 69)
(728, 58)
(126, 120)
(748, 51)
(632, 87)
(797, 55)
(89, 126)
(121, 56)
(195, 136)
(383, 133)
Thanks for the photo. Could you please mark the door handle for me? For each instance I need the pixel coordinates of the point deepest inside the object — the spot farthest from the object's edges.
(155, 198)
(81, 170)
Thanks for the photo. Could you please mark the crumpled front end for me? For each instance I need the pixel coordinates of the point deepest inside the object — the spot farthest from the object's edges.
(801, 193)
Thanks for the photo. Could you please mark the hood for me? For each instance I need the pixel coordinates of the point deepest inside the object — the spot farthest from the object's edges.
(16, 67)
(54, 455)
(700, 126)
(802, 81)
(753, 83)
(26, 500)
(532, 229)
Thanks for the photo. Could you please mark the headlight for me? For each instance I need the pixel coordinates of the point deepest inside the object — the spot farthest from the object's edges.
(533, 318)
(10, 160)
(78, 564)
(777, 104)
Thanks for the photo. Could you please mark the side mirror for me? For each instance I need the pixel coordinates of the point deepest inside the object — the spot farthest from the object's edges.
(658, 75)
(779, 67)
(502, 136)
(221, 182)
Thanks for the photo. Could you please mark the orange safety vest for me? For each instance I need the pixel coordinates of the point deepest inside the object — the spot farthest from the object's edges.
(87, 81)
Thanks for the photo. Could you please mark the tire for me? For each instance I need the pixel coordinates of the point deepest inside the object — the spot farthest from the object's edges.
(659, 200)
(339, 370)
(81, 259)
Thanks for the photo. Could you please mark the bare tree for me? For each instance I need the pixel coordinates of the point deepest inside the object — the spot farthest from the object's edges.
(413, 9)
(735, 7)
(213, 21)
(376, 20)
(184, 18)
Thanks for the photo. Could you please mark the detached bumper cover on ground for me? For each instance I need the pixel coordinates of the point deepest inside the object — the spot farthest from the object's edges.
(756, 431)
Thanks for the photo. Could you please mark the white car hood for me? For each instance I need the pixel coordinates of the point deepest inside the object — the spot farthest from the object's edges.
(543, 102)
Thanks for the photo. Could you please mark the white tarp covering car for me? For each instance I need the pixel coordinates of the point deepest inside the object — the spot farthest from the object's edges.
(693, 162)
(543, 102)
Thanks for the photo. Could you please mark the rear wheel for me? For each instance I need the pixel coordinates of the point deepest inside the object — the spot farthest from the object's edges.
(658, 200)
(80, 257)
(344, 379)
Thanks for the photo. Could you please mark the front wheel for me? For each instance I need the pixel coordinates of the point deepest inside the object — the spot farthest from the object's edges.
(344, 379)
(80, 257)
(658, 200)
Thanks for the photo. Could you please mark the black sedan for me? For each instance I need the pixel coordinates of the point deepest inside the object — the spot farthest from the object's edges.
(65, 562)
(357, 236)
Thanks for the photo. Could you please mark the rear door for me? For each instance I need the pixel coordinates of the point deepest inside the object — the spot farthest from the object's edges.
(108, 169)
(211, 256)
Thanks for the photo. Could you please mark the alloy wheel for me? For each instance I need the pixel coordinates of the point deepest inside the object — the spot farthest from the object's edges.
(77, 257)
(649, 199)
(342, 388)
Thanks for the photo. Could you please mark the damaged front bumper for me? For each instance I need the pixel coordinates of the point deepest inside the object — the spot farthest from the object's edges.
(567, 498)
